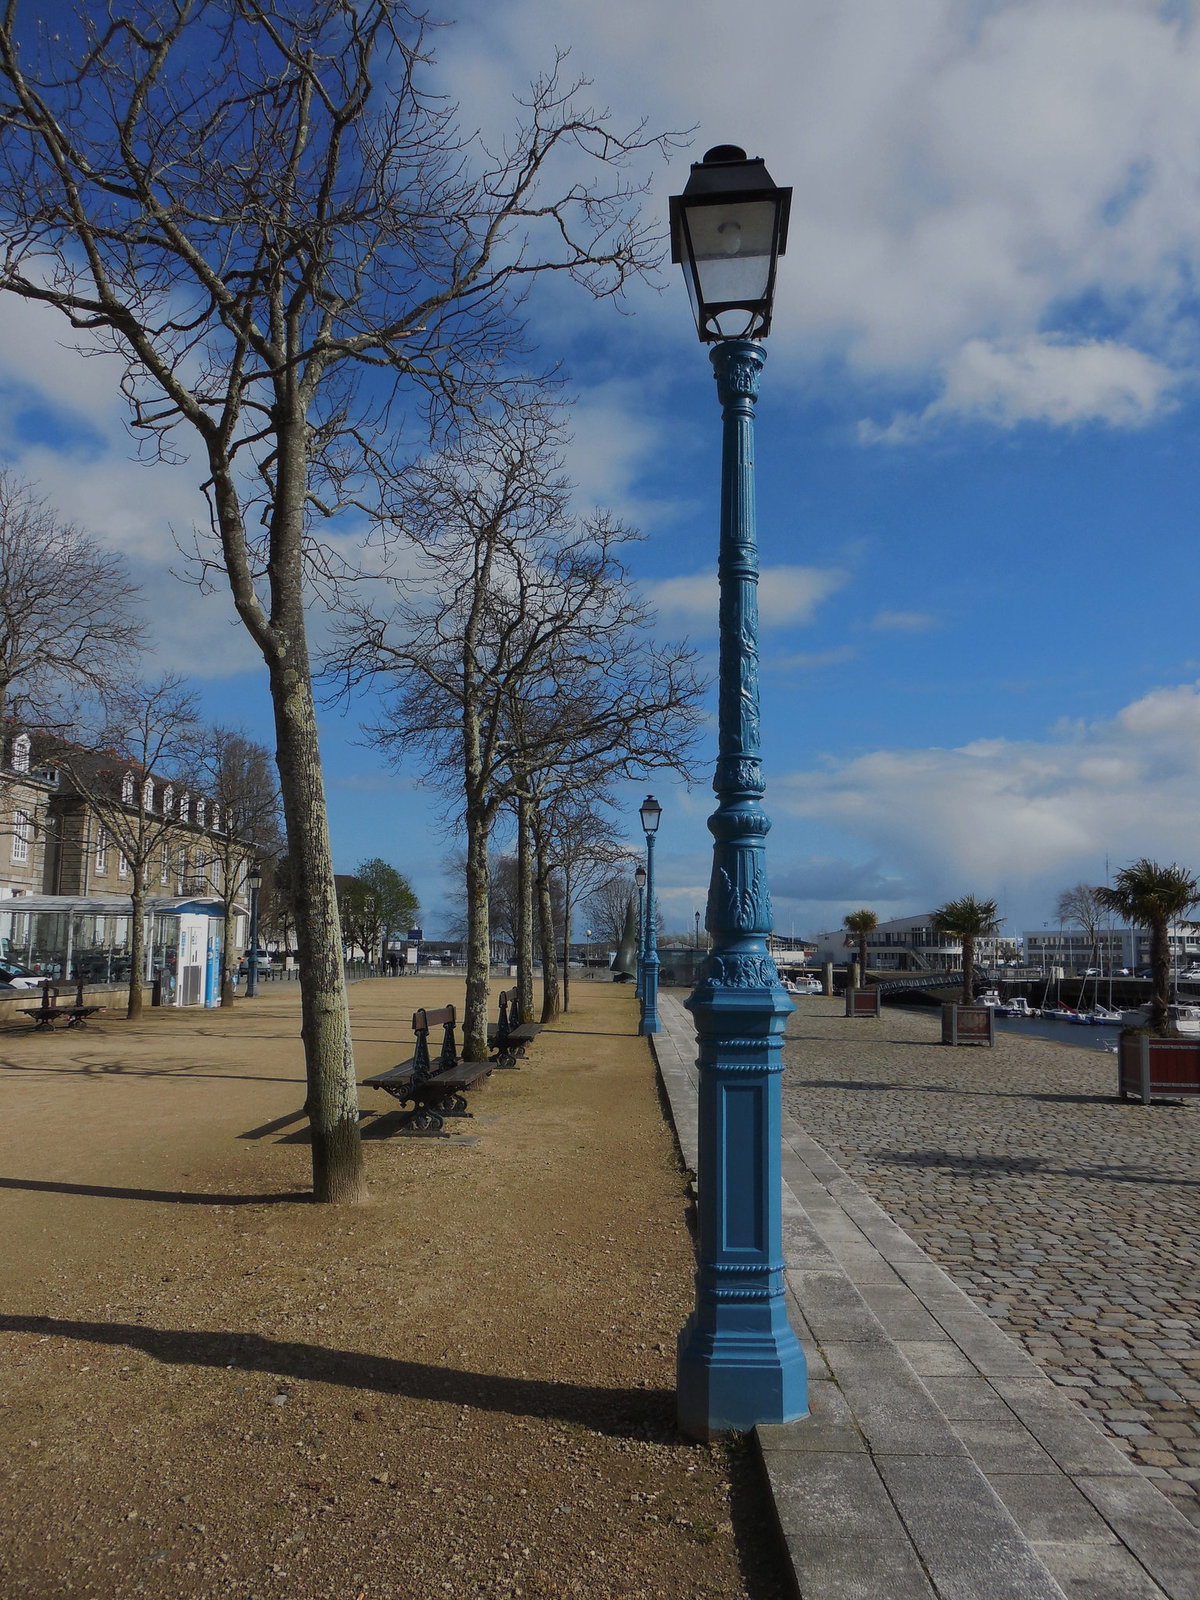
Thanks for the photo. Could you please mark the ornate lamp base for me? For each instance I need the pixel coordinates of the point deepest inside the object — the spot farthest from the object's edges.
(739, 1361)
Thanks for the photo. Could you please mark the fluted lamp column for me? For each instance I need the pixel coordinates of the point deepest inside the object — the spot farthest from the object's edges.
(739, 1362)
(650, 813)
(639, 877)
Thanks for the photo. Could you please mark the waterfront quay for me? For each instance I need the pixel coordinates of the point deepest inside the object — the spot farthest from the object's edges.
(1071, 1218)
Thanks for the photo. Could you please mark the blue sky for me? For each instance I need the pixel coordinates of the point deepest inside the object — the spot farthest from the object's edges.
(978, 470)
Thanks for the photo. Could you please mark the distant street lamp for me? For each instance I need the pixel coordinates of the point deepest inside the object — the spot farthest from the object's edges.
(254, 882)
(639, 877)
(650, 813)
(739, 1362)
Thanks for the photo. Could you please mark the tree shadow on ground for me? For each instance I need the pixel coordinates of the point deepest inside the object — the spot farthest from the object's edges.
(181, 1197)
(1017, 1166)
(121, 1069)
(645, 1414)
(1047, 1098)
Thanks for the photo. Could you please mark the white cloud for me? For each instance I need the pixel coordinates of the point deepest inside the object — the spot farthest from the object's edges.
(965, 175)
(786, 595)
(1000, 811)
(903, 622)
(1040, 380)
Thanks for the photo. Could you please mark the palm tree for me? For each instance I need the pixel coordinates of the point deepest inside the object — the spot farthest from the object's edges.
(1150, 896)
(968, 919)
(862, 923)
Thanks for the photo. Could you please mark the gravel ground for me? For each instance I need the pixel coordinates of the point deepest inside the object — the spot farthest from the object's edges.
(1073, 1219)
(213, 1388)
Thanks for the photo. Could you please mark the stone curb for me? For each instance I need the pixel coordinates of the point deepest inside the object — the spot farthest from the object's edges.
(938, 1461)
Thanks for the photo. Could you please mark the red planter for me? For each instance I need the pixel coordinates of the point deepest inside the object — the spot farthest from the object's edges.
(1147, 1066)
(862, 1003)
(968, 1025)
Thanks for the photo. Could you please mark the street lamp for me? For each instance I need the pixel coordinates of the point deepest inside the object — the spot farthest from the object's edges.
(639, 877)
(739, 1362)
(650, 812)
(254, 882)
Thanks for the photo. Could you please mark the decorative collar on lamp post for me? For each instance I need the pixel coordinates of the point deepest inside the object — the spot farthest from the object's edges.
(728, 230)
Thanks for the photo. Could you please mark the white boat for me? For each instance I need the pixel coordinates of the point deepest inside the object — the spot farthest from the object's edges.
(1106, 1015)
(1017, 1007)
(989, 997)
(1180, 1019)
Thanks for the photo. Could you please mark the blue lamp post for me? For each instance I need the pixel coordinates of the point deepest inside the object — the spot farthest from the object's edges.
(650, 812)
(639, 877)
(254, 880)
(739, 1362)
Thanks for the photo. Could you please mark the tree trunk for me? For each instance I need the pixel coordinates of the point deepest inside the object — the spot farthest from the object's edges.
(1160, 969)
(226, 936)
(862, 957)
(968, 995)
(475, 1013)
(332, 1100)
(524, 911)
(550, 1001)
(566, 979)
(137, 942)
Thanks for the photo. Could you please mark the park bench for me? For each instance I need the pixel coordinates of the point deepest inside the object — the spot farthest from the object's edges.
(508, 1040)
(435, 1088)
(48, 1013)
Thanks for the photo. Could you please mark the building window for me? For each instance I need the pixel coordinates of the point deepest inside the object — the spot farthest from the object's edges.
(102, 850)
(122, 864)
(22, 836)
(200, 808)
(148, 794)
(20, 753)
(183, 867)
(127, 789)
(185, 807)
(169, 800)
(216, 817)
(164, 863)
(217, 874)
(199, 873)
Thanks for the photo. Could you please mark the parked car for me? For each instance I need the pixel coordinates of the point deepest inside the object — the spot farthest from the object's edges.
(243, 966)
(15, 976)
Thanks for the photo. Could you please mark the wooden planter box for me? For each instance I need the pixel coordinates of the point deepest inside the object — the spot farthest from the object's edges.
(968, 1025)
(862, 1002)
(1147, 1066)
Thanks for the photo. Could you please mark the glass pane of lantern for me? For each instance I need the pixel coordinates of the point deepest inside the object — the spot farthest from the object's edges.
(732, 247)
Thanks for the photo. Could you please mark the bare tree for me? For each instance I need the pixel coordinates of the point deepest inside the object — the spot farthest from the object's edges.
(238, 777)
(283, 252)
(608, 904)
(66, 608)
(518, 645)
(148, 734)
(1082, 907)
(581, 841)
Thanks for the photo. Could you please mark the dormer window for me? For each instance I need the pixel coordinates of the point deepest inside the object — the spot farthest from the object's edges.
(20, 753)
(169, 800)
(200, 809)
(185, 807)
(216, 817)
(127, 789)
(148, 794)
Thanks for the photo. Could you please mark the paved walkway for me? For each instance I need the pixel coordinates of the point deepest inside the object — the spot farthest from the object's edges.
(1072, 1218)
(939, 1461)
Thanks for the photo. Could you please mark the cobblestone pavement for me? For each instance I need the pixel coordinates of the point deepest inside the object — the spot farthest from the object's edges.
(1071, 1217)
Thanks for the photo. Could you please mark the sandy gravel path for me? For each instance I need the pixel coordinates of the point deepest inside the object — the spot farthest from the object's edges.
(1072, 1218)
(213, 1388)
